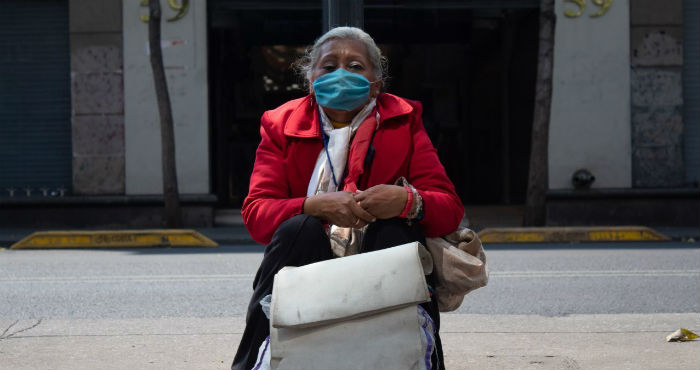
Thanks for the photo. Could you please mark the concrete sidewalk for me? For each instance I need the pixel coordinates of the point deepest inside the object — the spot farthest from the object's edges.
(623, 341)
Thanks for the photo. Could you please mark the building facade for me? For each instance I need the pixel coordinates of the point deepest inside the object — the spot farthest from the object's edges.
(79, 132)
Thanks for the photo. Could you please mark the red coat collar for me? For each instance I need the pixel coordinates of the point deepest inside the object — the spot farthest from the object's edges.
(303, 121)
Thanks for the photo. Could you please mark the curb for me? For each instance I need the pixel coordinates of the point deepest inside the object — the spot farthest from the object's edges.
(114, 239)
(239, 235)
(583, 234)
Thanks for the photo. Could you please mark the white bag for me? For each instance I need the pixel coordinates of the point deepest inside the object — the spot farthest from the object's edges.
(356, 312)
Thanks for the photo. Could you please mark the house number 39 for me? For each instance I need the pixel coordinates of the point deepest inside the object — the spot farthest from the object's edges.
(604, 5)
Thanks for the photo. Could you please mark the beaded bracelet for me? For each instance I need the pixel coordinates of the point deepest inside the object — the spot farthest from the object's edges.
(419, 204)
(409, 203)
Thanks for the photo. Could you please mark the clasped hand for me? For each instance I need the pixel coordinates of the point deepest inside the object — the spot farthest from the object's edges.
(345, 209)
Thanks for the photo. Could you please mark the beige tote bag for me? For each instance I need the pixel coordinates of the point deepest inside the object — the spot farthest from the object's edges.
(459, 266)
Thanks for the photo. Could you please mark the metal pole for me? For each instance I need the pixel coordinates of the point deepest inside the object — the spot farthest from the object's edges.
(342, 13)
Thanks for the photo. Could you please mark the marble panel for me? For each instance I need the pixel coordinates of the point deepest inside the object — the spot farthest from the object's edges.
(97, 59)
(656, 87)
(661, 126)
(98, 175)
(98, 135)
(657, 46)
(657, 166)
(97, 93)
(95, 15)
(655, 12)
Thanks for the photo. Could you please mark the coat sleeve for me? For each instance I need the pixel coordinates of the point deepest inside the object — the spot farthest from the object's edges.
(443, 208)
(269, 202)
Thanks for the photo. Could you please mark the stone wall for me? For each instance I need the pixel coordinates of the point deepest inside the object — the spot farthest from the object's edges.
(656, 36)
(97, 96)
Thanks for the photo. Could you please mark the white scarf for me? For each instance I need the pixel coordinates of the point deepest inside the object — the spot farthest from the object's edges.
(338, 147)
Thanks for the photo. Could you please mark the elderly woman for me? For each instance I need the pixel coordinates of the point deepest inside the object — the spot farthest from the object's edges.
(329, 164)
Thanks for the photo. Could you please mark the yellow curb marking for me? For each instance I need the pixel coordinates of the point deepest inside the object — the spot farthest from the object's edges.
(516, 237)
(631, 235)
(570, 234)
(114, 239)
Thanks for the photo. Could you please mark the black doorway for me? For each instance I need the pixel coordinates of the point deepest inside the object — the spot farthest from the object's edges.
(473, 70)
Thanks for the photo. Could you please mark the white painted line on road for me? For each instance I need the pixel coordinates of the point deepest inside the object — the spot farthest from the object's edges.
(234, 277)
(595, 273)
(122, 279)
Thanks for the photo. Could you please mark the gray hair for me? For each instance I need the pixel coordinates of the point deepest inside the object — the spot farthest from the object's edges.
(306, 63)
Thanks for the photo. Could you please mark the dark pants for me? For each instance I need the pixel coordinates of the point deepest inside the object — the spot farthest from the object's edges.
(302, 240)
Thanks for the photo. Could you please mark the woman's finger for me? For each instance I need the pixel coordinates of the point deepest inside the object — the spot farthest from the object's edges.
(354, 209)
(353, 222)
(360, 196)
(361, 213)
(358, 224)
(368, 200)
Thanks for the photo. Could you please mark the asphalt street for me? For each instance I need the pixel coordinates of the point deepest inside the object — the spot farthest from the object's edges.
(578, 306)
(557, 280)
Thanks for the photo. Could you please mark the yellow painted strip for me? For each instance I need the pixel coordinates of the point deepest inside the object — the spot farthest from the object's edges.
(114, 239)
(624, 235)
(570, 234)
(520, 237)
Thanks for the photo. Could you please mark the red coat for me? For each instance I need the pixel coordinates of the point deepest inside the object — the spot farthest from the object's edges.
(291, 142)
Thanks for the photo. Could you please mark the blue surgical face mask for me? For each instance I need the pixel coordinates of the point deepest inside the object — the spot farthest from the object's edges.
(341, 90)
